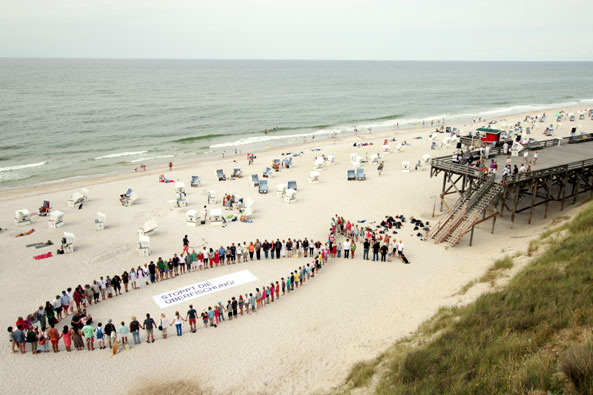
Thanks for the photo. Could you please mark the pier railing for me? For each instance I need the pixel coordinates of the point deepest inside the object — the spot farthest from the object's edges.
(581, 164)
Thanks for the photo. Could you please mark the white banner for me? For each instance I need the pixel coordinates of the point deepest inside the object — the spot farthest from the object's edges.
(203, 288)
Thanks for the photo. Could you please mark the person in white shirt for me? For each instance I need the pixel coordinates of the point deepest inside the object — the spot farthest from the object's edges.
(239, 252)
(178, 322)
(163, 325)
(393, 247)
(102, 286)
(205, 213)
(140, 277)
(71, 299)
(400, 248)
(346, 248)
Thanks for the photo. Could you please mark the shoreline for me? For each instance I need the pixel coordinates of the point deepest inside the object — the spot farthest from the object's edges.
(214, 156)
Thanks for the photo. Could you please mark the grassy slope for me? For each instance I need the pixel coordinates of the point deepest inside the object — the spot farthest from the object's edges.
(532, 335)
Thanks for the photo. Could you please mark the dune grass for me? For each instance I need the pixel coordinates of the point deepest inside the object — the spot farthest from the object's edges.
(533, 335)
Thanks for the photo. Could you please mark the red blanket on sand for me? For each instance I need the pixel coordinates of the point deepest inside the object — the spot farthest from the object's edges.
(43, 256)
(27, 233)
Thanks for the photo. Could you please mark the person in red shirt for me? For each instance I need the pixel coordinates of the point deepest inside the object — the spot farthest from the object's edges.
(20, 321)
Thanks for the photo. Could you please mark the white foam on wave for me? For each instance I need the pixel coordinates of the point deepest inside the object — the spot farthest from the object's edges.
(19, 167)
(151, 158)
(266, 138)
(132, 153)
(6, 176)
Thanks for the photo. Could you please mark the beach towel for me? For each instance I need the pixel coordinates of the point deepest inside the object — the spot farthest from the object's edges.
(41, 244)
(27, 233)
(34, 244)
(43, 256)
(46, 244)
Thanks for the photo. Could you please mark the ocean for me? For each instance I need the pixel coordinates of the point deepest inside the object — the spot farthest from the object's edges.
(65, 118)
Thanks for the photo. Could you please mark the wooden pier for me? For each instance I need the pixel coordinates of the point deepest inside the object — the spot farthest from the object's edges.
(563, 171)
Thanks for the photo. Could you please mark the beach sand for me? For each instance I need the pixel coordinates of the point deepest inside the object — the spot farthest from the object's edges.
(305, 342)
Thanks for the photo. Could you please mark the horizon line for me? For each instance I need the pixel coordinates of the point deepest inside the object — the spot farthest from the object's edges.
(289, 59)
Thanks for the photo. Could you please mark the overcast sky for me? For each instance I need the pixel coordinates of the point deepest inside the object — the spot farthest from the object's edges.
(303, 29)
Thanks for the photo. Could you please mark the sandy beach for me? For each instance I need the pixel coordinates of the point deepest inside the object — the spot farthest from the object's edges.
(303, 343)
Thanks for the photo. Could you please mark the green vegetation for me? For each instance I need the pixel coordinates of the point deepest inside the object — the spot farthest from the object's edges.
(532, 336)
(362, 372)
(492, 274)
(495, 270)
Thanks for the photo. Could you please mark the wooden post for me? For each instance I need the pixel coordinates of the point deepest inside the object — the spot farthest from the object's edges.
(443, 193)
(548, 196)
(576, 187)
(502, 200)
(471, 236)
(517, 188)
(564, 185)
(533, 193)
(493, 223)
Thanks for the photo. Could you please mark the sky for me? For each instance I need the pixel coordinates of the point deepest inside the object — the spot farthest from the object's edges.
(524, 30)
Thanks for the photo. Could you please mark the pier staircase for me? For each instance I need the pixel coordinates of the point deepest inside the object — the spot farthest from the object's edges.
(463, 216)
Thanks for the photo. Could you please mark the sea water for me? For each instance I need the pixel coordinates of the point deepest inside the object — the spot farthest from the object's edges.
(63, 118)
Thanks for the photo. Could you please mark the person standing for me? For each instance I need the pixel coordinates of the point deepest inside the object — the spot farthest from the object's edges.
(110, 332)
(148, 326)
(258, 247)
(123, 333)
(76, 324)
(380, 168)
(152, 271)
(384, 250)
(65, 301)
(135, 329)
(32, 340)
(57, 305)
(376, 247)
(89, 335)
(178, 322)
(67, 337)
(12, 338)
(278, 246)
(191, 315)
(400, 249)
(266, 248)
(366, 246)
(163, 325)
(125, 278)
(347, 249)
(185, 245)
(116, 283)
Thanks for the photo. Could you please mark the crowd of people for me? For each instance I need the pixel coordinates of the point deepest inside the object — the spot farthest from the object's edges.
(42, 328)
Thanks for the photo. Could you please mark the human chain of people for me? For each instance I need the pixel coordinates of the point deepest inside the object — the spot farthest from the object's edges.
(40, 329)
